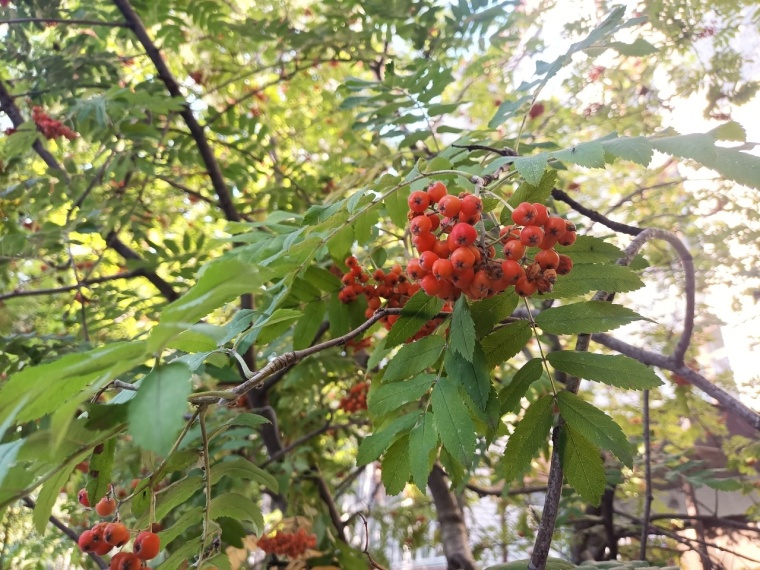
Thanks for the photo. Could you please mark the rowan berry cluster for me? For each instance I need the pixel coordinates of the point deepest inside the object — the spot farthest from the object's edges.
(51, 128)
(393, 286)
(356, 398)
(291, 544)
(105, 536)
(455, 257)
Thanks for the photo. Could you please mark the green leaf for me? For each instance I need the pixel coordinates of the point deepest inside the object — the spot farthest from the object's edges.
(532, 168)
(487, 312)
(417, 311)
(241, 468)
(156, 412)
(50, 492)
(238, 507)
(171, 497)
(373, 446)
(506, 110)
(179, 557)
(388, 398)
(586, 317)
(613, 369)
(595, 425)
(473, 375)
(414, 357)
(219, 282)
(462, 330)
(723, 484)
(588, 249)
(528, 192)
(589, 277)
(730, 131)
(582, 464)
(503, 343)
(640, 47)
(510, 396)
(588, 154)
(635, 149)
(188, 519)
(249, 420)
(101, 469)
(453, 421)
(528, 437)
(423, 440)
(395, 466)
(397, 206)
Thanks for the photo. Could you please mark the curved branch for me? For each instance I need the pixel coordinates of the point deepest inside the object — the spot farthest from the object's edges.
(731, 404)
(687, 262)
(64, 21)
(67, 288)
(562, 196)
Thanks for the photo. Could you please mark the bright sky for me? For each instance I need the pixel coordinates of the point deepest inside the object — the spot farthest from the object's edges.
(742, 325)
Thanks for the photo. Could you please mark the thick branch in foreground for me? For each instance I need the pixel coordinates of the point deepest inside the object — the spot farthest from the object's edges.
(456, 544)
(28, 502)
(207, 154)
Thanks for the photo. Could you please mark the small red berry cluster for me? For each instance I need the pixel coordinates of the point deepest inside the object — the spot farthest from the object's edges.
(105, 536)
(291, 544)
(455, 258)
(393, 286)
(356, 398)
(51, 128)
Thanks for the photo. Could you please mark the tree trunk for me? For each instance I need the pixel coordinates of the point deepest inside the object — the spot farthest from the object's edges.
(456, 544)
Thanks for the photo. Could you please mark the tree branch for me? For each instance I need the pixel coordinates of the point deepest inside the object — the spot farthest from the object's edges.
(456, 545)
(648, 498)
(649, 358)
(562, 196)
(64, 21)
(113, 241)
(28, 502)
(67, 288)
(207, 154)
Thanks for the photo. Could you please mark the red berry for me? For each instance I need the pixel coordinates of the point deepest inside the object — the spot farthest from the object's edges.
(442, 269)
(565, 265)
(536, 110)
(449, 206)
(424, 242)
(86, 542)
(525, 288)
(441, 249)
(105, 507)
(420, 225)
(430, 284)
(147, 545)
(427, 259)
(414, 269)
(542, 214)
(524, 214)
(531, 236)
(116, 534)
(125, 561)
(471, 206)
(462, 258)
(436, 191)
(462, 235)
(82, 497)
(568, 239)
(555, 227)
(435, 221)
(547, 259)
(514, 250)
(511, 271)
(463, 279)
(418, 201)
(351, 261)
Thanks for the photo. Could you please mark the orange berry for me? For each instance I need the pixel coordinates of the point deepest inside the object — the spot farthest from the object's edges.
(418, 201)
(147, 545)
(449, 206)
(116, 534)
(436, 191)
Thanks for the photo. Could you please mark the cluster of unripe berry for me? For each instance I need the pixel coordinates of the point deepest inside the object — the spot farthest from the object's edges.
(291, 544)
(356, 398)
(456, 258)
(105, 536)
(51, 128)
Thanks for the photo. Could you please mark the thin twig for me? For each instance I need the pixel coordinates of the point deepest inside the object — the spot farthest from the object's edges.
(206, 481)
(372, 562)
(562, 196)
(647, 479)
(67, 288)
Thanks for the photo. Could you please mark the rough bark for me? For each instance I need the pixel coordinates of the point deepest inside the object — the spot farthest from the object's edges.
(456, 544)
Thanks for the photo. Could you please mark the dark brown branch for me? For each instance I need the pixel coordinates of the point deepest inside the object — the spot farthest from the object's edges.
(197, 131)
(303, 439)
(67, 288)
(186, 190)
(64, 21)
(456, 546)
(649, 358)
(327, 499)
(28, 502)
(127, 253)
(648, 498)
(499, 491)
(562, 196)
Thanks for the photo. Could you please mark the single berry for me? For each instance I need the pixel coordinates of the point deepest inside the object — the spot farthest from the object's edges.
(565, 265)
(435, 221)
(125, 561)
(471, 206)
(82, 497)
(542, 214)
(514, 250)
(555, 227)
(462, 258)
(525, 288)
(427, 259)
(442, 269)
(449, 206)
(430, 285)
(547, 259)
(418, 201)
(524, 214)
(531, 236)
(420, 225)
(462, 235)
(424, 242)
(105, 507)
(436, 191)
(568, 238)
(414, 269)
(116, 534)
(86, 542)
(147, 545)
